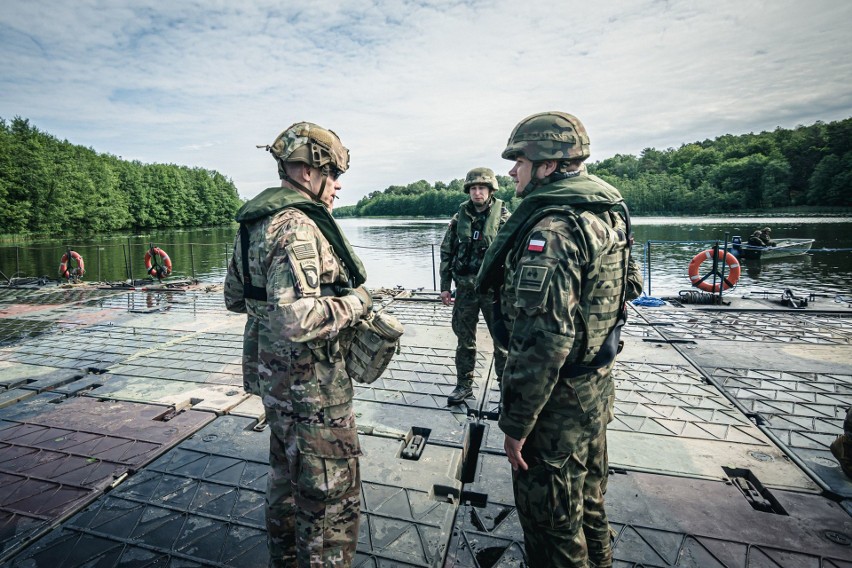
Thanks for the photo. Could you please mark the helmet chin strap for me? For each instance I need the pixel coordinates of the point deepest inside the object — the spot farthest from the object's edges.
(315, 197)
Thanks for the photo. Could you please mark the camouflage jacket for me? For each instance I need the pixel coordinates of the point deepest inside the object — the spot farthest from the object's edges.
(291, 353)
(564, 275)
(466, 240)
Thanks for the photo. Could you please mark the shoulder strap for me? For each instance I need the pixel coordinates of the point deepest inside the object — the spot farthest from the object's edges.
(250, 291)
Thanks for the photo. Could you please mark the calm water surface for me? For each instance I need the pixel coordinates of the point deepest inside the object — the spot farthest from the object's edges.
(405, 253)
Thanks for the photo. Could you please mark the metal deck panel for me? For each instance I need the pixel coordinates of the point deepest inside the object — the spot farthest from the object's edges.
(664, 521)
(668, 419)
(803, 411)
(57, 457)
(734, 325)
(181, 394)
(202, 504)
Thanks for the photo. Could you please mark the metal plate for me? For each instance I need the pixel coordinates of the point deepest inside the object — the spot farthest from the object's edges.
(664, 521)
(750, 326)
(202, 504)
(59, 456)
(181, 394)
(803, 411)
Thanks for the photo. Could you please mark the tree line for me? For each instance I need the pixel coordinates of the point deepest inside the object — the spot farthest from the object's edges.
(51, 186)
(804, 166)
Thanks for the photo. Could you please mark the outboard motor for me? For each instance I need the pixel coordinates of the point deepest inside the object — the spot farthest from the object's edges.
(736, 246)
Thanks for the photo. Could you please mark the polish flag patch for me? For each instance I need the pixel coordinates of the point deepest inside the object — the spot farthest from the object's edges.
(536, 245)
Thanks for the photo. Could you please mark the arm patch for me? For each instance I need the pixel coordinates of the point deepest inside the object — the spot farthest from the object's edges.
(533, 278)
(305, 264)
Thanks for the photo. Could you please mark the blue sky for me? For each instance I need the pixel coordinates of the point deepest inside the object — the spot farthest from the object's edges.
(416, 90)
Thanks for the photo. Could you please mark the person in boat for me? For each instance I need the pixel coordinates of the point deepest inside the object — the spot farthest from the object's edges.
(295, 275)
(561, 265)
(754, 244)
(754, 240)
(766, 238)
(468, 235)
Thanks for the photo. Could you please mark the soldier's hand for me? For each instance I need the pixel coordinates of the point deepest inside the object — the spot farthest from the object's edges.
(513, 452)
(365, 297)
(446, 297)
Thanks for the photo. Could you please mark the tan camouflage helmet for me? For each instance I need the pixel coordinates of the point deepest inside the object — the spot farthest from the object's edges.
(311, 144)
(481, 176)
(548, 136)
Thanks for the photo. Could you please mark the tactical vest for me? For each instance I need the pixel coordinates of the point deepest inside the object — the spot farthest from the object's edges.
(472, 240)
(603, 288)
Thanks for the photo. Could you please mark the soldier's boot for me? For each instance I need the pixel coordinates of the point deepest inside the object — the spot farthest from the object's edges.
(841, 448)
(460, 393)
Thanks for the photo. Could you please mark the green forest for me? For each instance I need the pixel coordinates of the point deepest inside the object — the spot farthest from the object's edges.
(50, 186)
(809, 167)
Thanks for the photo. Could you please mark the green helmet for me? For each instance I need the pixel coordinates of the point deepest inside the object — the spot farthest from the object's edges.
(481, 176)
(310, 144)
(548, 136)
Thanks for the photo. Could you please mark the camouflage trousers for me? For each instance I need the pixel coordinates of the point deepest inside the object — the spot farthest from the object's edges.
(559, 499)
(466, 310)
(313, 489)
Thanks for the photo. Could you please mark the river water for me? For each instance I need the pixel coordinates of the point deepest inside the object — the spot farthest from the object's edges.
(404, 252)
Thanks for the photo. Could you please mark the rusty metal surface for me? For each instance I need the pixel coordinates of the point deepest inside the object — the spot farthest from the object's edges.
(202, 504)
(58, 456)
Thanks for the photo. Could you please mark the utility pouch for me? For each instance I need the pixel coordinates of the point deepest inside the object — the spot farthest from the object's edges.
(375, 342)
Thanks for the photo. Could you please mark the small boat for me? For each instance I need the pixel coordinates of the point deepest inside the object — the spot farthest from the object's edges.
(783, 248)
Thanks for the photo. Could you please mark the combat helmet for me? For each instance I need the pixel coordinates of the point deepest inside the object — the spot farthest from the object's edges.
(481, 176)
(548, 136)
(313, 145)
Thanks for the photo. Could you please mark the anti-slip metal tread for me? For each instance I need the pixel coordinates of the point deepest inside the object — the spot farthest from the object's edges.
(804, 412)
(202, 504)
(60, 454)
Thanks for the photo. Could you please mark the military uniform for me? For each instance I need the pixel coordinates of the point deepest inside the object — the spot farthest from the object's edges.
(292, 360)
(562, 260)
(465, 242)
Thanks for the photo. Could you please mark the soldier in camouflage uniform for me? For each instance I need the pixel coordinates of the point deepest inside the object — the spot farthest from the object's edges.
(562, 263)
(468, 235)
(296, 277)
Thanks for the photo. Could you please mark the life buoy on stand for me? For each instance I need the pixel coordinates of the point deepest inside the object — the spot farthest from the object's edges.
(65, 269)
(153, 267)
(731, 277)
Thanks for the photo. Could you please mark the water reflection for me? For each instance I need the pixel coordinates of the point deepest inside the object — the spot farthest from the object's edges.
(399, 252)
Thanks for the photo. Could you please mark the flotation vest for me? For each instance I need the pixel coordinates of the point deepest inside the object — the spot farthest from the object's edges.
(473, 242)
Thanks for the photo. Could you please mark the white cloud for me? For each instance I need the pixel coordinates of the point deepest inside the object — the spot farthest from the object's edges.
(417, 90)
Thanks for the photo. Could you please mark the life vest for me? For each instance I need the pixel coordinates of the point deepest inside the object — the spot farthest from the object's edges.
(472, 243)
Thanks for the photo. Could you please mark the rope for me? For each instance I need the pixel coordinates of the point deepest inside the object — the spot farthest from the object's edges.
(697, 297)
(648, 301)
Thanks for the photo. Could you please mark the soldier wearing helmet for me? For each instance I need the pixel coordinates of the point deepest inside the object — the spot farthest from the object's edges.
(468, 235)
(562, 266)
(766, 237)
(290, 262)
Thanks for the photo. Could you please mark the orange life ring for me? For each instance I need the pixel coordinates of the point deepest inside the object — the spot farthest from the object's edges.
(157, 271)
(731, 277)
(65, 271)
